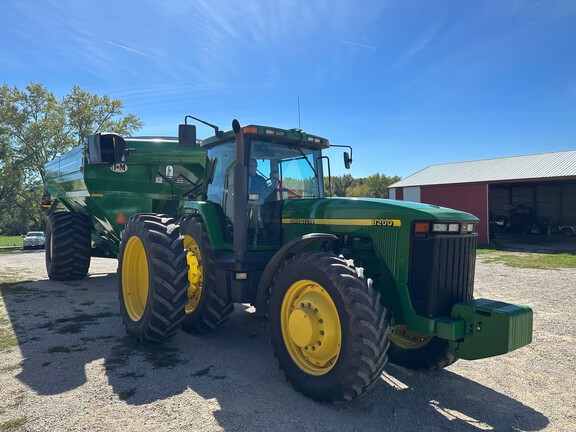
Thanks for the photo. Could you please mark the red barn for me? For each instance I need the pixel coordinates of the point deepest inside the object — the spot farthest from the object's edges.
(520, 194)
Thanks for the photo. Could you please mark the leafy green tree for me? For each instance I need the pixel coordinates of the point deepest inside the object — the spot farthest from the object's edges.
(35, 128)
(11, 179)
(340, 184)
(10, 175)
(89, 114)
(374, 186)
(36, 125)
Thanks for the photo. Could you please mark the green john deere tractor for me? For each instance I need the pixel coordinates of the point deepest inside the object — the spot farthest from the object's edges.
(242, 217)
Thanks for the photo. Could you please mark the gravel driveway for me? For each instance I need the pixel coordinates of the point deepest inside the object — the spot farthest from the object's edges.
(71, 367)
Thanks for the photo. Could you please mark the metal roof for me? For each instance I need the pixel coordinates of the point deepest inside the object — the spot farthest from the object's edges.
(535, 166)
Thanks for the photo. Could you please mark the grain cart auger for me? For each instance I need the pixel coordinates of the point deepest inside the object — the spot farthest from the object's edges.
(242, 217)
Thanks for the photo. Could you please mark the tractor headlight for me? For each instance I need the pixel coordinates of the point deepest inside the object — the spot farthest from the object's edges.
(422, 228)
(454, 227)
(439, 227)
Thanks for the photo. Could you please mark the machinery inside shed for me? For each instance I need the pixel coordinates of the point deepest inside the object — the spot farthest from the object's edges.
(533, 209)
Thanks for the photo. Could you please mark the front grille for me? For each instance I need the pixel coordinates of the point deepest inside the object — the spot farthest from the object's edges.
(441, 273)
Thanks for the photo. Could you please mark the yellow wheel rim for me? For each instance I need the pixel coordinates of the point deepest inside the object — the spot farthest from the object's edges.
(135, 278)
(194, 259)
(311, 327)
(404, 338)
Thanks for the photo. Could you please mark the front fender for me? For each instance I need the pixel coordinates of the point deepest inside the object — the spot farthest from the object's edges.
(290, 249)
(214, 221)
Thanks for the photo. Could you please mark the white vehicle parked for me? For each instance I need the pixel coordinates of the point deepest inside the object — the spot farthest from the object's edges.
(34, 239)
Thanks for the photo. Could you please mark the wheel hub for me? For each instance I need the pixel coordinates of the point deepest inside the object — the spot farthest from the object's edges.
(303, 327)
(311, 327)
(193, 258)
(407, 339)
(135, 279)
(194, 273)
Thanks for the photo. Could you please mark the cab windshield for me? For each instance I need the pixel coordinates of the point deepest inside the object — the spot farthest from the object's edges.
(290, 171)
(276, 172)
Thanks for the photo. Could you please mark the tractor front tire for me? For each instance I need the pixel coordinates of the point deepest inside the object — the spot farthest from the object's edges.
(206, 309)
(151, 299)
(67, 246)
(327, 326)
(416, 351)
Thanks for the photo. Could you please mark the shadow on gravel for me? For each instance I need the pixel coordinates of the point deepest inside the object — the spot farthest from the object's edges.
(54, 325)
(63, 328)
(235, 367)
(448, 401)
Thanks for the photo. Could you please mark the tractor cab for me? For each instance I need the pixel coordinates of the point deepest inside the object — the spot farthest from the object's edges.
(274, 164)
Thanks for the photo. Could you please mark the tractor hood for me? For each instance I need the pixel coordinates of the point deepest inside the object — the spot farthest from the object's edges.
(365, 211)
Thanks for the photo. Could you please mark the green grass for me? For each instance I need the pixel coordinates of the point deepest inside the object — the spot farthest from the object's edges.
(77, 323)
(14, 401)
(202, 372)
(127, 394)
(12, 425)
(74, 324)
(6, 241)
(7, 337)
(158, 355)
(7, 340)
(71, 328)
(131, 375)
(10, 368)
(60, 349)
(528, 260)
(12, 287)
(65, 350)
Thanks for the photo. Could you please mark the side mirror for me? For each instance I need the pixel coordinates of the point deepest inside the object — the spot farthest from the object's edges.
(187, 135)
(347, 160)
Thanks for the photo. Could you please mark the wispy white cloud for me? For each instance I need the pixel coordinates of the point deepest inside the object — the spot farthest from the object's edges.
(343, 41)
(130, 49)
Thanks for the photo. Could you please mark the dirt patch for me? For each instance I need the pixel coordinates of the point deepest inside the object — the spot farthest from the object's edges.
(71, 367)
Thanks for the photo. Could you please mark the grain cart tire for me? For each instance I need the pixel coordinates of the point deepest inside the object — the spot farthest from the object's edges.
(152, 300)
(205, 309)
(416, 351)
(67, 246)
(327, 326)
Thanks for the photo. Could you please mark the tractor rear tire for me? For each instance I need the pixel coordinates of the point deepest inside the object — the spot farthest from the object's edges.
(327, 326)
(151, 299)
(206, 309)
(419, 352)
(67, 246)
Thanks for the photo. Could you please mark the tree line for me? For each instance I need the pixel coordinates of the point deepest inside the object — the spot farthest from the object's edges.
(36, 127)
(374, 186)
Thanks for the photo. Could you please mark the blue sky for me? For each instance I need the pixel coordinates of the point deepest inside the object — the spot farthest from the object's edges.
(406, 83)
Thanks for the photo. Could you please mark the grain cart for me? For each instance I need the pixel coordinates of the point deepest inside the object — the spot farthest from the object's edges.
(346, 283)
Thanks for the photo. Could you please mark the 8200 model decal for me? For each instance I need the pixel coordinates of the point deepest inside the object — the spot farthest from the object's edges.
(386, 222)
(346, 222)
